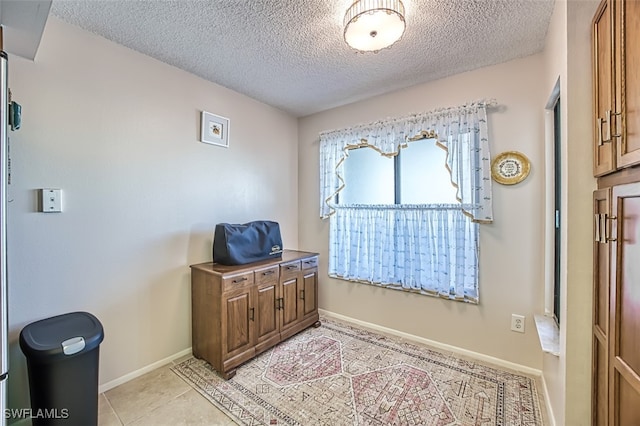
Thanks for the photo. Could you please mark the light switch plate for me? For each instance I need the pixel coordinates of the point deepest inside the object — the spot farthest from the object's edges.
(50, 200)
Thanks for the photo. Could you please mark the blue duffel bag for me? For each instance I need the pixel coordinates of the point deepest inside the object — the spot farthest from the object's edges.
(238, 244)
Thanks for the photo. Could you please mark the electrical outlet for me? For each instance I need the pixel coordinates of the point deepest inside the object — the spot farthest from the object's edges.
(517, 323)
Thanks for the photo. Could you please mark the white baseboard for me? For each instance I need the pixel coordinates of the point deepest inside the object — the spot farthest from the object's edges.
(547, 401)
(144, 370)
(477, 355)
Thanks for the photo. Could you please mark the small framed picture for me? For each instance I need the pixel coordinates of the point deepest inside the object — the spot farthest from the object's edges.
(215, 129)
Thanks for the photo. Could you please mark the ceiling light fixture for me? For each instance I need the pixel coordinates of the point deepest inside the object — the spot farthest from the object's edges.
(372, 25)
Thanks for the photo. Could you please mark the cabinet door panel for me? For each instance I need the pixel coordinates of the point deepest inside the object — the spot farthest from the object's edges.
(266, 315)
(600, 382)
(601, 253)
(628, 82)
(310, 292)
(603, 87)
(625, 308)
(628, 303)
(627, 411)
(290, 301)
(236, 313)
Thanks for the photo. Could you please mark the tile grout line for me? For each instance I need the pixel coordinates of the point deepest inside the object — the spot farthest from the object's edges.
(181, 378)
(112, 409)
(138, 415)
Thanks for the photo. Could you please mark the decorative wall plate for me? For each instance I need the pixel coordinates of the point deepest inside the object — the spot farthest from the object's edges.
(510, 167)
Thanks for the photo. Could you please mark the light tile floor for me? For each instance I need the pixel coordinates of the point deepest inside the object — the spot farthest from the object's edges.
(157, 398)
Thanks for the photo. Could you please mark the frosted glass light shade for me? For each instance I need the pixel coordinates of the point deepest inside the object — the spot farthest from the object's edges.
(372, 25)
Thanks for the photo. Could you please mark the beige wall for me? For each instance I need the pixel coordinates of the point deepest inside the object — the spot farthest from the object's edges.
(511, 249)
(119, 133)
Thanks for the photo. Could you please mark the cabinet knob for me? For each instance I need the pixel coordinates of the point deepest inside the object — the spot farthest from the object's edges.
(239, 280)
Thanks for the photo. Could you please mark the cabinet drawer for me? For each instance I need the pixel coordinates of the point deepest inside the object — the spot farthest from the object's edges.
(290, 269)
(237, 281)
(267, 275)
(310, 263)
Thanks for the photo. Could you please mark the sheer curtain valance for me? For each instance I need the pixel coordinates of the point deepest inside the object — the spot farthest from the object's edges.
(461, 131)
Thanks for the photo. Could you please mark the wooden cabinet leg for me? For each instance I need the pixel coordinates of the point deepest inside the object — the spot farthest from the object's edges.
(229, 374)
(317, 324)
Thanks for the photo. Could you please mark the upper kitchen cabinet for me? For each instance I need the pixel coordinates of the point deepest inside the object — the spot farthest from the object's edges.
(616, 90)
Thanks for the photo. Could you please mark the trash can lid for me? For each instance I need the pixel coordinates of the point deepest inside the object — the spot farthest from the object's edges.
(61, 336)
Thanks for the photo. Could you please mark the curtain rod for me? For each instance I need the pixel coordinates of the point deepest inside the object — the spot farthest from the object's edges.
(487, 103)
(446, 206)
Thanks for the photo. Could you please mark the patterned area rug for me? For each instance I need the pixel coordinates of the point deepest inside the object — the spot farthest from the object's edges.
(341, 375)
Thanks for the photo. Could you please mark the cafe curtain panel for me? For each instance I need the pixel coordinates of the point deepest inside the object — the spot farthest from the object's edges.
(461, 131)
(430, 249)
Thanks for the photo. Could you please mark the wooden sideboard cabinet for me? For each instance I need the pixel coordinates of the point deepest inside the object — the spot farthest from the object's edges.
(238, 312)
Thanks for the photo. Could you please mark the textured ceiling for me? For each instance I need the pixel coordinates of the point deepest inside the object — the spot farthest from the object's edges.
(291, 53)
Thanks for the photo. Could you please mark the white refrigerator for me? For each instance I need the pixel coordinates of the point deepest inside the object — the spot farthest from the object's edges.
(4, 175)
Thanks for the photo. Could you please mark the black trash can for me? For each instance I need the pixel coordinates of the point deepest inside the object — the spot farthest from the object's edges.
(62, 359)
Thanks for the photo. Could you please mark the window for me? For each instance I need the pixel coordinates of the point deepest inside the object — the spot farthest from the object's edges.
(372, 178)
(398, 223)
(369, 178)
(404, 213)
